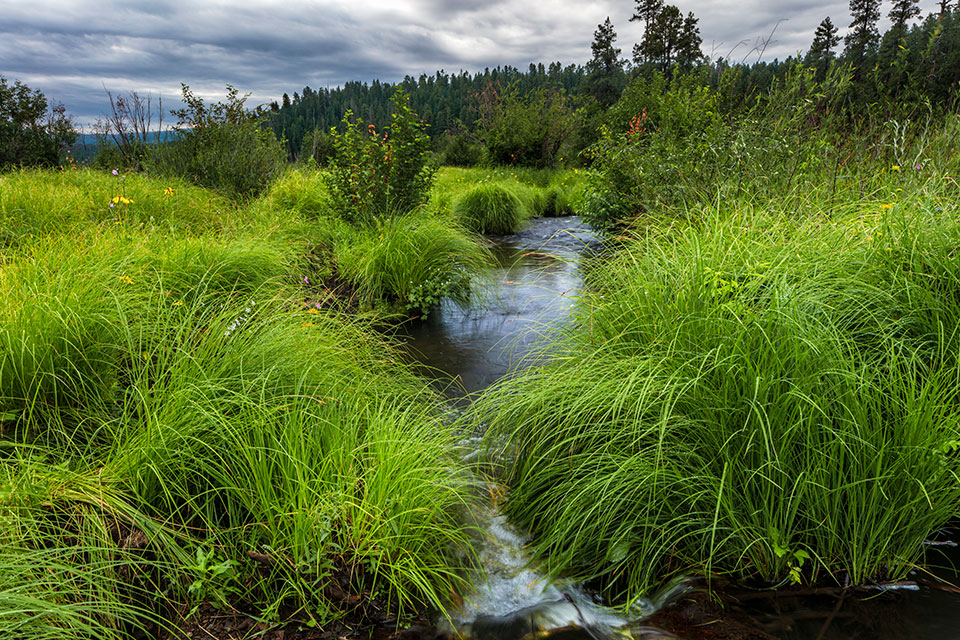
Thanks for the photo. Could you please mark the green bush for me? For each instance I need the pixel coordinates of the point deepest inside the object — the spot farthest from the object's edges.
(29, 136)
(526, 130)
(221, 146)
(460, 151)
(490, 208)
(374, 176)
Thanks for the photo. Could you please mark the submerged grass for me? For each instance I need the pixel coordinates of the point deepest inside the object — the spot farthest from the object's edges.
(747, 394)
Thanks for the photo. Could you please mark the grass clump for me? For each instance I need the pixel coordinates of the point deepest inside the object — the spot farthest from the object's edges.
(748, 395)
(490, 208)
(412, 262)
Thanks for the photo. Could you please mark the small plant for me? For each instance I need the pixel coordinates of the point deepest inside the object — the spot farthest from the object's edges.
(212, 578)
(376, 175)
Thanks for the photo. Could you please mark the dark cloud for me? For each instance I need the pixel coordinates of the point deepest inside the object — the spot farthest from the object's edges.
(72, 49)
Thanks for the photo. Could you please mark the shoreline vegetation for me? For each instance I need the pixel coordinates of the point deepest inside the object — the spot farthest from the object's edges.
(202, 404)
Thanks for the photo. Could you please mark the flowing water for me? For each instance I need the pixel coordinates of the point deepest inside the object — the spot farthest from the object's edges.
(534, 288)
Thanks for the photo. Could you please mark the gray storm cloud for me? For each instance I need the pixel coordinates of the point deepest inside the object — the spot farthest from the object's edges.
(73, 50)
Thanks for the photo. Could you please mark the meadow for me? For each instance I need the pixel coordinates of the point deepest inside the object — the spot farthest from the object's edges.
(202, 402)
(202, 405)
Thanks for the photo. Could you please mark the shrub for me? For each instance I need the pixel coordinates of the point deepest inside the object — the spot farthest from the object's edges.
(222, 146)
(526, 130)
(460, 151)
(374, 176)
(28, 134)
(490, 208)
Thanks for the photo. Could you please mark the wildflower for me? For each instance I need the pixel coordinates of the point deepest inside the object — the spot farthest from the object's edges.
(115, 172)
(306, 324)
(917, 167)
(895, 167)
(121, 200)
(305, 280)
(886, 206)
(178, 303)
(168, 191)
(126, 278)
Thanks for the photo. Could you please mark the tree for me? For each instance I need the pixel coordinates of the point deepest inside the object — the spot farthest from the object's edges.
(30, 134)
(863, 37)
(689, 53)
(821, 50)
(606, 79)
(646, 12)
(668, 37)
(900, 15)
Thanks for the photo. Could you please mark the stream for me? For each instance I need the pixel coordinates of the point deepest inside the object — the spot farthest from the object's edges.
(534, 287)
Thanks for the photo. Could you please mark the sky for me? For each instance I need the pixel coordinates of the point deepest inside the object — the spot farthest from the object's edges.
(76, 50)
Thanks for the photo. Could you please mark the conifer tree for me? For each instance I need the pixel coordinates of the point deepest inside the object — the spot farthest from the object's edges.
(900, 14)
(861, 41)
(605, 79)
(689, 52)
(821, 49)
(646, 12)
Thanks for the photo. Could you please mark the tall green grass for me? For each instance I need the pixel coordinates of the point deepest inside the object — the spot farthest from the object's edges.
(746, 394)
(412, 261)
(178, 426)
(541, 192)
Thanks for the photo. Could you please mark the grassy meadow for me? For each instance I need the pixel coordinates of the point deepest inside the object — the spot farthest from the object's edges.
(199, 405)
(195, 408)
(756, 385)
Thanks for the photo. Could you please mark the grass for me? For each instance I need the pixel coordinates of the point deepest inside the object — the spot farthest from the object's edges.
(747, 394)
(414, 261)
(178, 426)
(540, 192)
(490, 208)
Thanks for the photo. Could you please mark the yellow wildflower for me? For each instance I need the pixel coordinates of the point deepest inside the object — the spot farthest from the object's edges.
(886, 206)
(121, 200)
(306, 324)
(895, 167)
(127, 279)
(168, 191)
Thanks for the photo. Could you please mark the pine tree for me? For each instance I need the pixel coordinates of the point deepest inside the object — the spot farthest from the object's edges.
(902, 12)
(605, 55)
(688, 52)
(646, 12)
(662, 40)
(863, 37)
(606, 79)
(821, 49)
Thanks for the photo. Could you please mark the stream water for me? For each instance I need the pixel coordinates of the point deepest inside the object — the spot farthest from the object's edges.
(534, 288)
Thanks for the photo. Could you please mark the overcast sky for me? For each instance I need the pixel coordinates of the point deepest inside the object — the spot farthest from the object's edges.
(73, 49)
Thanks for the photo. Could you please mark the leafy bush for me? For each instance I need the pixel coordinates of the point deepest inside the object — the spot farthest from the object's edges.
(490, 208)
(28, 135)
(460, 151)
(374, 176)
(222, 146)
(526, 130)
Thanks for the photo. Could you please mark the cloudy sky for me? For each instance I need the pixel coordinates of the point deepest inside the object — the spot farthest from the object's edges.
(73, 50)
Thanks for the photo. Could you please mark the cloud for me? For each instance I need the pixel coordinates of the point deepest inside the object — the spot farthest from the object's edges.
(70, 50)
